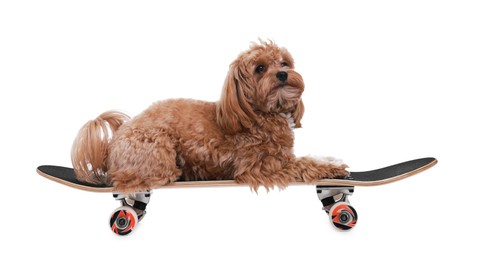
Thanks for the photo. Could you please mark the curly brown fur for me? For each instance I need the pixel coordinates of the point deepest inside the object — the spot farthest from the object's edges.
(245, 136)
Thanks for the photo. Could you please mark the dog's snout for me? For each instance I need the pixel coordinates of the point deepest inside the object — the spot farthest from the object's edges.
(282, 76)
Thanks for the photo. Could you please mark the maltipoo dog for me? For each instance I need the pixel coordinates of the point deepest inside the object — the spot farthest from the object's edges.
(246, 136)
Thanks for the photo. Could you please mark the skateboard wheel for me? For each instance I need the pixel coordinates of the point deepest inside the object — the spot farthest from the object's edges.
(123, 220)
(343, 216)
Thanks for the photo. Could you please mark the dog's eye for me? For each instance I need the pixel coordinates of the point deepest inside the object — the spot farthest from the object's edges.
(260, 69)
(284, 64)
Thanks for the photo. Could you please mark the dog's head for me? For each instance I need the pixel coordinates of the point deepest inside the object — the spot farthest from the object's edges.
(261, 81)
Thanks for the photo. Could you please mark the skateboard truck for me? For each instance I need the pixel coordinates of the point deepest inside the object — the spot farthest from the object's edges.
(124, 219)
(335, 202)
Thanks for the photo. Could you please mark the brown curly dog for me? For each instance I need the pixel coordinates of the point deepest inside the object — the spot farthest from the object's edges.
(246, 135)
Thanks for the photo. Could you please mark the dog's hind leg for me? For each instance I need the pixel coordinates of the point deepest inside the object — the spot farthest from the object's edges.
(141, 160)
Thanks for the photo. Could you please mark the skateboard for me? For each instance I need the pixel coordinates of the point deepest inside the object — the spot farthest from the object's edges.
(333, 193)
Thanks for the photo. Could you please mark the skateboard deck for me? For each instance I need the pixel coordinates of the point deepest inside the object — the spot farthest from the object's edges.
(333, 193)
(381, 176)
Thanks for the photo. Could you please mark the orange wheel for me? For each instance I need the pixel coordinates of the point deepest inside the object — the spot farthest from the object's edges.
(343, 216)
(123, 220)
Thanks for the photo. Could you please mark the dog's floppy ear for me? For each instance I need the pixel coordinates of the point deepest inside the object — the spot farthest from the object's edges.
(233, 112)
(298, 114)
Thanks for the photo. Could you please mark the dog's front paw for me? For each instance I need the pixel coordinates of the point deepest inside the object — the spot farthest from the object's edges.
(339, 172)
(336, 168)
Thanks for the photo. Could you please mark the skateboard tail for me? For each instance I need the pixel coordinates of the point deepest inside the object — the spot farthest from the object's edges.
(66, 176)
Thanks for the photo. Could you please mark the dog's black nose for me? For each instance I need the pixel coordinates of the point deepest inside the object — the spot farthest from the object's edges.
(282, 75)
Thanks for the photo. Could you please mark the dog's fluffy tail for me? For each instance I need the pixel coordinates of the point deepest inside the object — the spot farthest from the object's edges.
(90, 148)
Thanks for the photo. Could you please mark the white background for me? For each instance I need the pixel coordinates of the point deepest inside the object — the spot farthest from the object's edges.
(385, 82)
